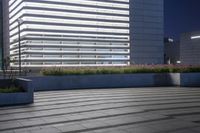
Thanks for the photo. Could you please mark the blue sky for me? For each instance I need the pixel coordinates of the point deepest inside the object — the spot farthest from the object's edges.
(181, 16)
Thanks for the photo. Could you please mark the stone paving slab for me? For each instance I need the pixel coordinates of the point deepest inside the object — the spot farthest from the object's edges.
(124, 110)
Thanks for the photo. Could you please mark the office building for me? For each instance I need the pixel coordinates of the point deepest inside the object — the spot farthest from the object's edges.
(146, 31)
(171, 51)
(85, 32)
(70, 32)
(190, 48)
(1, 35)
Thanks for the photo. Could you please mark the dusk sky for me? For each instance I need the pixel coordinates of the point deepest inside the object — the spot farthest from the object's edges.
(181, 16)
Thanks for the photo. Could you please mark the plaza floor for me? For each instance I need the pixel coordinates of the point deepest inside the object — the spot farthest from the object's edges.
(131, 110)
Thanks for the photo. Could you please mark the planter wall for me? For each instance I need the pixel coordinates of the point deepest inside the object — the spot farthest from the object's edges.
(169, 79)
(47, 83)
(190, 79)
(17, 98)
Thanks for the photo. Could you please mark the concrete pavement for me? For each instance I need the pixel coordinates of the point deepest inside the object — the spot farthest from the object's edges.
(131, 110)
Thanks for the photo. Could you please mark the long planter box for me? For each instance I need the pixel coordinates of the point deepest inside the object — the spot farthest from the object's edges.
(17, 98)
(190, 79)
(46, 83)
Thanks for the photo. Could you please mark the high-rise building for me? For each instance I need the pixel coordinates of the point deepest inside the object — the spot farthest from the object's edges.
(70, 32)
(146, 31)
(171, 51)
(1, 35)
(189, 48)
(85, 32)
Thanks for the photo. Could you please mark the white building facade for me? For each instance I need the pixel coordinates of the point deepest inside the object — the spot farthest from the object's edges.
(83, 32)
(70, 32)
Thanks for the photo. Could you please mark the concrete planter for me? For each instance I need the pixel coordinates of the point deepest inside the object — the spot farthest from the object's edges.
(190, 79)
(167, 79)
(17, 98)
(46, 83)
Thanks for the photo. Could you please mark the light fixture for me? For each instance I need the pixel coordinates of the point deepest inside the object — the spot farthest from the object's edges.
(195, 37)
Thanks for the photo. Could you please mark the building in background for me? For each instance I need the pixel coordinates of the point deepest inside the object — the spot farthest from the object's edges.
(70, 32)
(6, 44)
(1, 35)
(171, 51)
(190, 48)
(146, 21)
(84, 32)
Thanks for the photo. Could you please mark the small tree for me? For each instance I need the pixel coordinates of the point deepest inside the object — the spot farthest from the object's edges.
(7, 70)
(6, 64)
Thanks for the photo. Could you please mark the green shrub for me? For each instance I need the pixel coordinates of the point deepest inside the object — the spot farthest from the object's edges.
(10, 90)
(120, 70)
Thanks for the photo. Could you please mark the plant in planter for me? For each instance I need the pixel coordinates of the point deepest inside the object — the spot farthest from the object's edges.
(120, 70)
(14, 92)
(59, 78)
(9, 87)
(12, 89)
(8, 72)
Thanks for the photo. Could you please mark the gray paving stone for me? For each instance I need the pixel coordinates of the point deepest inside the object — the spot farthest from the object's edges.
(8, 131)
(177, 111)
(22, 130)
(110, 130)
(168, 125)
(77, 117)
(46, 130)
(88, 132)
(55, 119)
(9, 125)
(94, 124)
(70, 127)
(140, 129)
(32, 122)
(191, 118)
(142, 110)
(196, 129)
(183, 131)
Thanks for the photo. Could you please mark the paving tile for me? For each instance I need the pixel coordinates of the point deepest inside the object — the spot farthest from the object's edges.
(46, 130)
(197, 129)
(110, 130)
(141, 129)
(88, 132)
(190, 118)
(184, 131)
(178, 111)
(32, 122)
(77, 117)
(70, 127)
(92, 114)
(169, 125)
(9, 125)
(22, 130)
(128, 110)
(94, 124)
(55, 119)
(8, 131)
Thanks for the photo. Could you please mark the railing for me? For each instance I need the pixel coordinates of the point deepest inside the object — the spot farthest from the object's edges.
(12, 73)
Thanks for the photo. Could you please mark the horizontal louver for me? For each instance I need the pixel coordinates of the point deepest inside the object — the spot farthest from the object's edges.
(70, 32)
